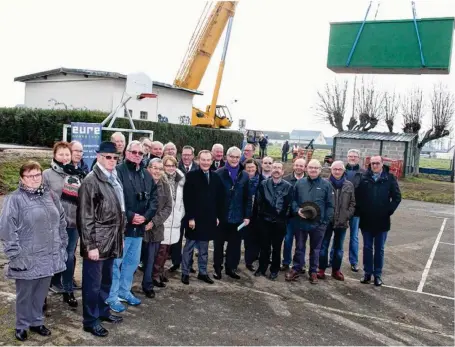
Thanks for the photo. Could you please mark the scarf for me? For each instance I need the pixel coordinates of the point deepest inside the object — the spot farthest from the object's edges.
(233, 172)
(72, 180)
(172, 184)
(37, 191)
(337, 183)
(115, 183)
(355, 167)
(254, 183)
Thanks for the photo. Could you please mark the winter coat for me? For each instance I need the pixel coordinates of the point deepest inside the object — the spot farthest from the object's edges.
(377, 201)
(344, 204)
(65, 187)
(285, 148)
(274, 200)
(156, 234)
(204, 203)
(214, 168)
(354, 175)
(181, 167)
(33, 231)
(100, 219)
(135, 182)
(174, 221)
(83, 166)
(318, 191)
(238, 202)
(291, 178)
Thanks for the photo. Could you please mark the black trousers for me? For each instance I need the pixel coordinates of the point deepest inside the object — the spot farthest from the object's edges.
(250, 235)
(176, 249)
(272, 235)
(227, 232)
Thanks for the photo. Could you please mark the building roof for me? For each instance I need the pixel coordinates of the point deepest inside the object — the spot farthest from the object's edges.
(94, 73)
(370, 135)
(276, 135)
(305, 134)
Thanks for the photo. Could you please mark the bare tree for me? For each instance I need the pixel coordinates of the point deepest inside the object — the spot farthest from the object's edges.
(442, 102)
(391, 108)
(332, 104)
(368, 105)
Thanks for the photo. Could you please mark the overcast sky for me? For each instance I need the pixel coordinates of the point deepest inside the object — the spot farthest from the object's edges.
(275, 64)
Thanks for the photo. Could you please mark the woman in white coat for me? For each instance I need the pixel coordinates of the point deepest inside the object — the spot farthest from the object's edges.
(176, 180)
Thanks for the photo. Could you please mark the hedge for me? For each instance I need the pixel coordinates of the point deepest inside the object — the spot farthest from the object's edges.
(39, 127)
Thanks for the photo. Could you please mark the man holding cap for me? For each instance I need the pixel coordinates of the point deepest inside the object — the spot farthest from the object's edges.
(101, 222)
(313, 203)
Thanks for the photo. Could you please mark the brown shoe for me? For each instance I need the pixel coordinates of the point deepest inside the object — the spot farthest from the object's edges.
(338, 275)
(321, 274)
(313, 278)
(292, 275)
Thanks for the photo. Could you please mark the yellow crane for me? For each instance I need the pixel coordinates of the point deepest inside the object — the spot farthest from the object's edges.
(203, 43)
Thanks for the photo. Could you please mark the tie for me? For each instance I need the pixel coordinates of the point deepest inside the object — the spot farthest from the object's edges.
(217, 163)
(186, 168)
(208, 176)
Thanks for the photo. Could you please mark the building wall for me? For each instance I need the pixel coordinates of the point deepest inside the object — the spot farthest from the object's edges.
(94, 93)
(366, 148)
(392, 150)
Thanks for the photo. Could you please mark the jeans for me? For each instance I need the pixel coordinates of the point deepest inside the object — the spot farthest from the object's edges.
(203, 256)
(338, 241)
(262, 152)
(284, 157)
(96, 285)
(271, 237)
(124, 268)
(288, 242)
(68, 274)
(373, 263)
(316, 233)
(353, 241)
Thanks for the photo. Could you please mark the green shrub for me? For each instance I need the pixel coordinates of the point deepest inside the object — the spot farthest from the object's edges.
(38, 127)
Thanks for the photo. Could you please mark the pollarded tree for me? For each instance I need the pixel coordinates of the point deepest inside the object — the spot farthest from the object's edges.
(391, 108)
(369, 105)
(331, 105)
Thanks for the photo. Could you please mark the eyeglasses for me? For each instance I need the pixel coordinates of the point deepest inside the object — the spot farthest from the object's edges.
(337, 169)
(376, 163)
(266, 162)
(313, 167)
(35, 177)
(78, 151)
(136, 152)
(110, 157)
(234, 157)
(170, 165)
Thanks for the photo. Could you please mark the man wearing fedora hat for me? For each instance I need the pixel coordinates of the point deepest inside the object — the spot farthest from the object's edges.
(313, 204)
(101, 222)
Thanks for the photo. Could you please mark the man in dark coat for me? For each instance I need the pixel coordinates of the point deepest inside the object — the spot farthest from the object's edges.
(285, 151)
(203, 201)
(101, 223)
(217, 156)
(237, 210)
(186, 165)
(378, 197)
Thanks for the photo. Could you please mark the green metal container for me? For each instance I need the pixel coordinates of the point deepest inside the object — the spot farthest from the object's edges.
(392, 47)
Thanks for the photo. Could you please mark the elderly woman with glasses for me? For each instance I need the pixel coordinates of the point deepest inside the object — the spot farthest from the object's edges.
(33, 232)
(154, 230)
(176, 180)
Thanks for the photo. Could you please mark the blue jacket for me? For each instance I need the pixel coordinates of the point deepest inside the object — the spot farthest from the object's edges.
(318, 191)
(238, 202)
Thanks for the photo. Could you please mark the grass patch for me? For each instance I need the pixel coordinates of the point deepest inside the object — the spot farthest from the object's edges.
(423, 189)
(9, 172)
(434, 163)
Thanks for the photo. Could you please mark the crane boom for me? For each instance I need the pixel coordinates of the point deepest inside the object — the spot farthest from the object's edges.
(203, 43)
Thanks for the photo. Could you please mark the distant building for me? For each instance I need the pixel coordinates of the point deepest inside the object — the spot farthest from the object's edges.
(305, 136)
(65, 88)
(329, 140)
(277, 137)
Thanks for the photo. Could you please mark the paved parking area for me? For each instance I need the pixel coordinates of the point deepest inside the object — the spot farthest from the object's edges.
(414, 307)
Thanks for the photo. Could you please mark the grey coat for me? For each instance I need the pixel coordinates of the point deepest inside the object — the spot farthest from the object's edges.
(54, 180)
(33, 232)
(163, 191)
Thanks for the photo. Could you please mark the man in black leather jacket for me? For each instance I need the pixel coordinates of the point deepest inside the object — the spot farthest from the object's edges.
(273, 199)
(100, 221)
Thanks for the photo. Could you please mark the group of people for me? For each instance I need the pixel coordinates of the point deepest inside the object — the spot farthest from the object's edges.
(134, 208)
